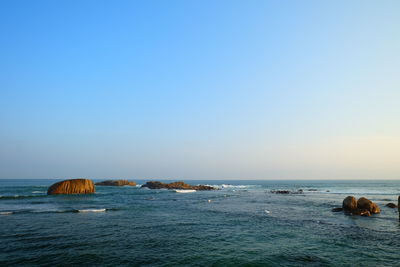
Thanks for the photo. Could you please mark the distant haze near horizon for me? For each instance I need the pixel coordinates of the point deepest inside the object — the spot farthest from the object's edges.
(200, 89)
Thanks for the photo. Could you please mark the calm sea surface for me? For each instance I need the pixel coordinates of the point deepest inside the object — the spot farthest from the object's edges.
(243, 223)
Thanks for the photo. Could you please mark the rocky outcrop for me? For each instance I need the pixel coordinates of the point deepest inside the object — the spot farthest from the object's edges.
(284, 192)
(176, 185)
(73, 186)
(349, 203)
(391, 205)
(366, 204)
(362, 206)
(116, 183)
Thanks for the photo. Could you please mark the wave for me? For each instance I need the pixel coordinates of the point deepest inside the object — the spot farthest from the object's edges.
(234, 186)
(52, 211)
(20, 197)
(184, 191)
(39, 192)
(92, 210)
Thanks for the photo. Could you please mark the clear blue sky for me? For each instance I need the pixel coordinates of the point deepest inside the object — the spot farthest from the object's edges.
(200, 89)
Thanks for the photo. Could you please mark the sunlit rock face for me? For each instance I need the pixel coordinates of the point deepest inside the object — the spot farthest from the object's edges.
(73, 186)
(366, 204)
(362, 206)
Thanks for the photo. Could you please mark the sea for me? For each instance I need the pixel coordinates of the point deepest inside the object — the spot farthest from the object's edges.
(243, 223)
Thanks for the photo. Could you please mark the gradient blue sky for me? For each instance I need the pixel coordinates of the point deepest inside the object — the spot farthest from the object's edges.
(200, 89)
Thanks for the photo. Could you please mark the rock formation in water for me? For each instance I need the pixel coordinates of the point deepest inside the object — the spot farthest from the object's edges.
(116, 183)
(391, 205)
(366, 204)
(349, 203)
(73, 186)
(176, 185)
(300, 191)
(363, 206)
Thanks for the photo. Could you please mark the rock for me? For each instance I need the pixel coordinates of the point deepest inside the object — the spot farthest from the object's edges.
(300, 191)
(375, 208)
(280, 191)
(391, 205)
(362, 207)
(366, 204)
(337, 209)
(349, 203)
(365, 213)
(73, 186)
(176, 185)
(359, 212)
(116, 183)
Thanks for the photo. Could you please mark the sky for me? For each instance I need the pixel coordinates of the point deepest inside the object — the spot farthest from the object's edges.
(200, 89)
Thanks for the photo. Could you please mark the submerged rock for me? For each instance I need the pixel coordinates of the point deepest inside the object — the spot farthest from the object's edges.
(391, 205)
(176, 185)
(337, 209)
(73, 186)
(349, 203)
(116, 183)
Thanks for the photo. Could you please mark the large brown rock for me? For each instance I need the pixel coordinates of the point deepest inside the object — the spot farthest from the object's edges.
(176, 185)
(73, 186)
(116, 183)
(349, 203)
(366, 204)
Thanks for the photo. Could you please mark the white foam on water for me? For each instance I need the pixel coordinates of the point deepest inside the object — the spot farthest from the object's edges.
(38, 192)
(92, 210)
(185, 191)
(267, 212)
(6, 213)
(233, 186)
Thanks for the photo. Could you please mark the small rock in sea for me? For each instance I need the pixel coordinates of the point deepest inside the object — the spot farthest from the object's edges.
(280, 191)
(391, 205)
(328, 191)
(337, 209)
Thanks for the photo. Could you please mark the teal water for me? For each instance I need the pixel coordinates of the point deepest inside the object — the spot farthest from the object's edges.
(242, 224)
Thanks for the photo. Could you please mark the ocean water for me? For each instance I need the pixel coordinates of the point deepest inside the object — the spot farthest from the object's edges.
(242, 224)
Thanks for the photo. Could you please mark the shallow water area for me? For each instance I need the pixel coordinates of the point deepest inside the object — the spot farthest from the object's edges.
(242, 223)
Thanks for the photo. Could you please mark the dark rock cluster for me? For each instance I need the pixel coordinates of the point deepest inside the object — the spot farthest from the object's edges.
(176, 185)
(116, 183)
